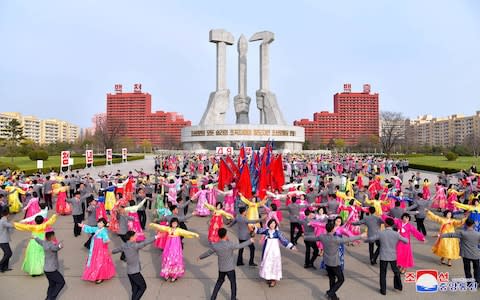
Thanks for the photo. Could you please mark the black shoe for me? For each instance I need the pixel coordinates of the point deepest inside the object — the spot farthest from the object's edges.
(382, 292)
(313, 267)
(253, 265)
(306, 266)
(240, 264)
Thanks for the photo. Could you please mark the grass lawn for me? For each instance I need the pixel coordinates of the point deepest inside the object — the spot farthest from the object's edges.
(24, 163)
(462, 162)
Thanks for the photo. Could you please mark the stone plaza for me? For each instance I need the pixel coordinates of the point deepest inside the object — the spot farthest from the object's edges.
(361, 279)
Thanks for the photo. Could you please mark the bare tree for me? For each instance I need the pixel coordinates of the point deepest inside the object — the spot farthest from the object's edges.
(392, 130)
(472, 142)
(108, 131)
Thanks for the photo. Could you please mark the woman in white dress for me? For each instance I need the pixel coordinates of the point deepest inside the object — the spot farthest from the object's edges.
(271, 266)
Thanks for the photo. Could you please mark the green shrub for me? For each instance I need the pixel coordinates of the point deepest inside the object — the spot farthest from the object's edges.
(38, 155)
(6, 165)
(451, 156)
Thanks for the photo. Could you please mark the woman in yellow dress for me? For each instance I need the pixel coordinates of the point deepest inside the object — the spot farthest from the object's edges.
(446, 248)
(13, 198)
(216, 222)
(252, 210)
(110, 199)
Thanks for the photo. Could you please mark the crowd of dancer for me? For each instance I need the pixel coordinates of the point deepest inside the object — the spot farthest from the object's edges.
(326, 200)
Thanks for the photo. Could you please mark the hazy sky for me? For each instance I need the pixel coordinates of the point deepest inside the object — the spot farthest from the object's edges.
(59, 58)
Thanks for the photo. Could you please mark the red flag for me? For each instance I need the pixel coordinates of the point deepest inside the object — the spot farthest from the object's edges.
(263, 181)
(233, 168)
(241, 157)
(244, 184)
(277, 175)
(225, 176)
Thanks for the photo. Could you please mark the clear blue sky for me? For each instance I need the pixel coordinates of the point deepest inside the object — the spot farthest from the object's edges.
(60, 58)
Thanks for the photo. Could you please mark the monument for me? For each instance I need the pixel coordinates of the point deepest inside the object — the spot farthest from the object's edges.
(212, 131)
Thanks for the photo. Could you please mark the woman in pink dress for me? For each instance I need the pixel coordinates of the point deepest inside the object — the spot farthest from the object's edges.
(62, 207)
(200, 209)
(354, 209)
(440, 198)
(134, 223)
(99, 266)
(276, 199)
(404, 251)
(426, 189)
(452, 197)
(32, 208)
(228, 200)
(321, 219)
(173, 266)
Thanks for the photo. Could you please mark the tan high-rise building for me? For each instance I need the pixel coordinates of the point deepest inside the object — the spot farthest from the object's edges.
(443, 132)
(42, 131)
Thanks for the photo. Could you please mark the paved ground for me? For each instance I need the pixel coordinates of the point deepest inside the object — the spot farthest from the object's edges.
(361, 278)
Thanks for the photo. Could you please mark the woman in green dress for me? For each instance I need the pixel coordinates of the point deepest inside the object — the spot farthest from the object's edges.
(34, 253)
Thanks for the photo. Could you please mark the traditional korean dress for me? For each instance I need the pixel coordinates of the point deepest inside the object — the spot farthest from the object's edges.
(34, 253)
(173, 266)
(13, 198)
(474, 213)
(162, 236)
(440, 198)
(99, 265)
(446, 248)
(134, 224)
(452, 196)
(271, 265)
(426, 190)
(110, 199)
(200, 209)
(216, 222)
(229, 202)
(62, 207)
(32, 208)
(404, 251)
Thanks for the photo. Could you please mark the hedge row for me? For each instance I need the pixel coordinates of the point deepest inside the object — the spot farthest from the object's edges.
(433, 168)
(7, 165)
(97, 163)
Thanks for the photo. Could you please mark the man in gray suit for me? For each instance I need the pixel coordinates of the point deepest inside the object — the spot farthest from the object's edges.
(388, 255)
(123, 218)
(373, 224)
(55, 278)
(226, 267)
(469, 251)
(77, 213)
(5, 231)
(91, 218)
(331, 257)
(421, 205)
(130, 249)
(244, 235)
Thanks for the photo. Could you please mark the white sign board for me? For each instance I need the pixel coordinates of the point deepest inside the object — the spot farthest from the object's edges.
(39, 164)
(89, 157)
(224, 151)
(124, 154)
(70, 161)
(64, 158)
(109, 155)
